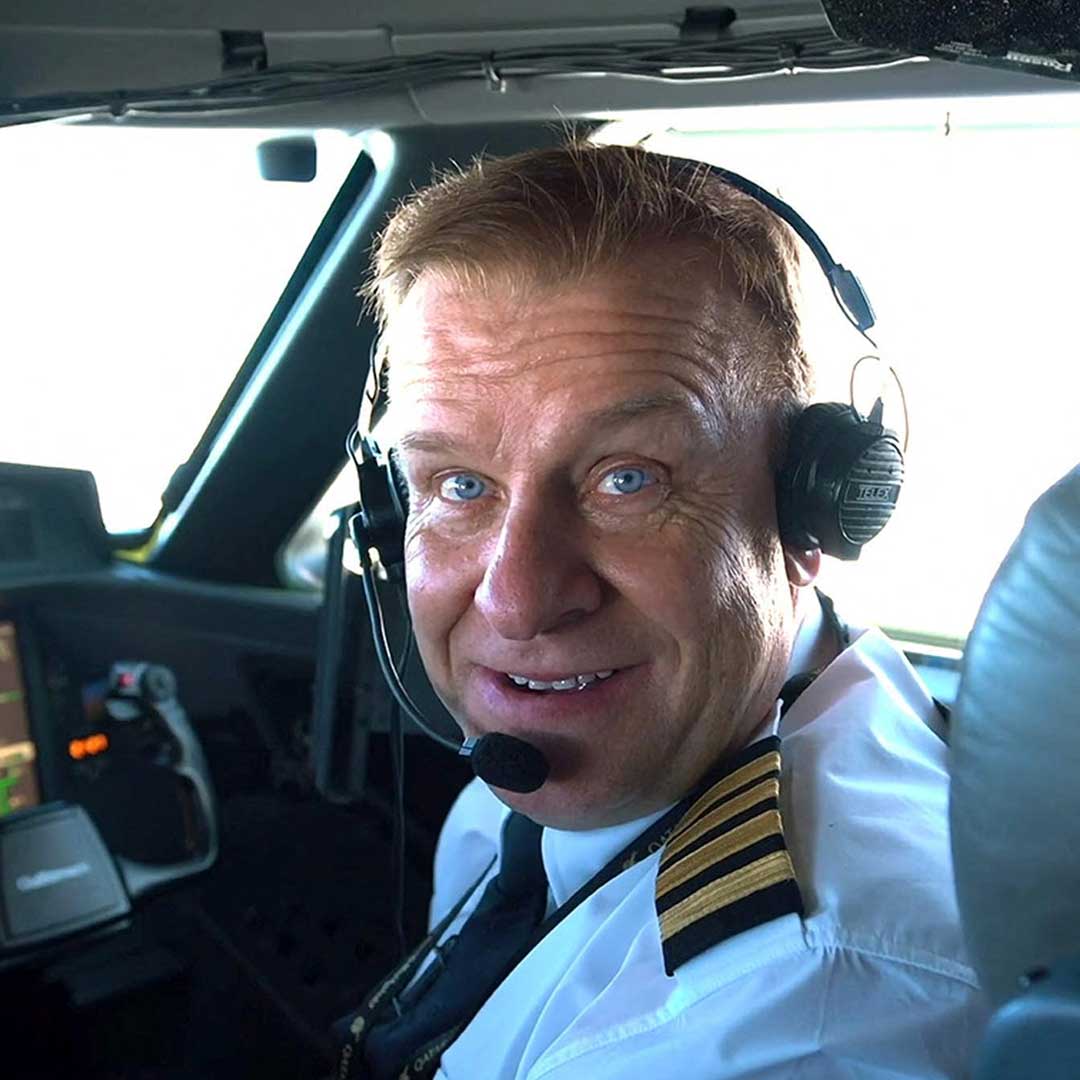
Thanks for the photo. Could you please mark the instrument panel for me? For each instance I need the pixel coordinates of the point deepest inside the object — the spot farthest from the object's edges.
(20, 784)
(57, 742)
(60, 742)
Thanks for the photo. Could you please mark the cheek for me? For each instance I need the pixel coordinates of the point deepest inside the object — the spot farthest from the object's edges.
(716, 602)
(751, 631)
(669, 583)
(440, 587)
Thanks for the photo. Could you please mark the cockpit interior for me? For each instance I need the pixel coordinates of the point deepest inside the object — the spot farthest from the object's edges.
(206, 855)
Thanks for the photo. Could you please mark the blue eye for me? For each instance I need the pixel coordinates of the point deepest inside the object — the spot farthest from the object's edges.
(628, 480)
(462, 487)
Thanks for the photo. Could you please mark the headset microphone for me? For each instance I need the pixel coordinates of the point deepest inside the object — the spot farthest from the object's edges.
(507, 762)
(501, 760)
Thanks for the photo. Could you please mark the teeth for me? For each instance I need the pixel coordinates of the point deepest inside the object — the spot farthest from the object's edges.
(571, 682)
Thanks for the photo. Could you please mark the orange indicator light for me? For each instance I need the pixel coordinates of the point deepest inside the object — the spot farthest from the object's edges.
(88, 747)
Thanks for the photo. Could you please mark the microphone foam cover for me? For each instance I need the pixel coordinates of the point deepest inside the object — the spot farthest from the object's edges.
(506, 762)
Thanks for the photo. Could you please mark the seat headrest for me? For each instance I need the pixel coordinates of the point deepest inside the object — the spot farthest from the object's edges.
(1015, 757)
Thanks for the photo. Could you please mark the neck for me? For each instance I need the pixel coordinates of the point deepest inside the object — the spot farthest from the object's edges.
(815, 645)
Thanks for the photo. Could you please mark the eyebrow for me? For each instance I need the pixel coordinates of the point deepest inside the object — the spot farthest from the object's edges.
(607, 417)
(632, 408)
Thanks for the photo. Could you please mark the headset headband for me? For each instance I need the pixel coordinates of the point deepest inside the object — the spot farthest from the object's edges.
(846, 288)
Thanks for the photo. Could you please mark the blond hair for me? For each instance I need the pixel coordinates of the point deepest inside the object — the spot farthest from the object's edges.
(555, 216)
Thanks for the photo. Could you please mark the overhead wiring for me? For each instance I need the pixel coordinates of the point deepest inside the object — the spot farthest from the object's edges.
(673, 60)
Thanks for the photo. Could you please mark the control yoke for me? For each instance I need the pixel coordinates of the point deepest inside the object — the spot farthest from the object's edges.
(57, 877)
(143, 697)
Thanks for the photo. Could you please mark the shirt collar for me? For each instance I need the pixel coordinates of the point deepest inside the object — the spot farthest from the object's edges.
(571, 858)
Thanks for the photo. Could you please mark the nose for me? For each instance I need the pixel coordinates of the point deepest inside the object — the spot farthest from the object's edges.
(539, 578)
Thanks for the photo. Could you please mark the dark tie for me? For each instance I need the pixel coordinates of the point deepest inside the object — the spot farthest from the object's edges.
(469, 967)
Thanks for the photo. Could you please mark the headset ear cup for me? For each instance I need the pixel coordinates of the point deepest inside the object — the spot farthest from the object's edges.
(796, 515)
(400, 489)
(384, 503)
(840, 481)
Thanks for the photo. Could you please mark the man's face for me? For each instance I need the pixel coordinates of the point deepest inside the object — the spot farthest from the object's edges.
(582, 515)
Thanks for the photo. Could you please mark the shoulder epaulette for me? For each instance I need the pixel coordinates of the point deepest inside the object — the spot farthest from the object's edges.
(725, 868)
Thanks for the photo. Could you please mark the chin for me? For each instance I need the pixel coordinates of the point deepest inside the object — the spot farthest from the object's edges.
(589, 786)
(569, 804)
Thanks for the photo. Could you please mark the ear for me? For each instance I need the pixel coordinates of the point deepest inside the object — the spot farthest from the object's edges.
(802, 567)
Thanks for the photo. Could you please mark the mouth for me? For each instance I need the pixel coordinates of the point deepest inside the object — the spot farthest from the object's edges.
(544, 700)
(504, 696)
(559, 684)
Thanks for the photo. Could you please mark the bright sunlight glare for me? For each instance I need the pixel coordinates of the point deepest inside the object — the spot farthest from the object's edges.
(137, 268)
(960, 218)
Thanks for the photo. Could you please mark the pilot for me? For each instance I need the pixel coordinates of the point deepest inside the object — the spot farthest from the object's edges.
(738, 865)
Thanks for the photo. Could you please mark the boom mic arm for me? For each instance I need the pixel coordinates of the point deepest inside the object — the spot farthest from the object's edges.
(498, 759)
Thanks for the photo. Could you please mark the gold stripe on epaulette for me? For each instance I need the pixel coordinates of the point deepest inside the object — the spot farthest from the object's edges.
(768, 870)
(752, 770)
(724, 868)
(714, 852)
(769, 788)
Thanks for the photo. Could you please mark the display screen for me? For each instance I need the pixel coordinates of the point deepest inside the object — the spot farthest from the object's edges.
(18, 773)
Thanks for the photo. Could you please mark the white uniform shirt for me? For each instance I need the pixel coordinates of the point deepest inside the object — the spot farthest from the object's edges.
(871, 983)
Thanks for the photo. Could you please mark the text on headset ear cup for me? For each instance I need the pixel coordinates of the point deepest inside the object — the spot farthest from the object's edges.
(840, 481)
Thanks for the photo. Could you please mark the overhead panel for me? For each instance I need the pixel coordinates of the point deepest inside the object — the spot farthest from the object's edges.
(244, 63)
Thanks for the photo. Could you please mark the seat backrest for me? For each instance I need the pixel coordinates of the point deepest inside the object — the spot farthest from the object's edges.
(1015, 757)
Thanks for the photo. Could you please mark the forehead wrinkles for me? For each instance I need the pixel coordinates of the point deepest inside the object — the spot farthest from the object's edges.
(448, 349)
(674, 317)
(582, 364)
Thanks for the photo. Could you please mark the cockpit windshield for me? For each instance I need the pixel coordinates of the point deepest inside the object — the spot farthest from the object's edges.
(137, 267)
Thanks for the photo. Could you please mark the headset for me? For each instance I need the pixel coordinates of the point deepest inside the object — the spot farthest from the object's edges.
(835, 490)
